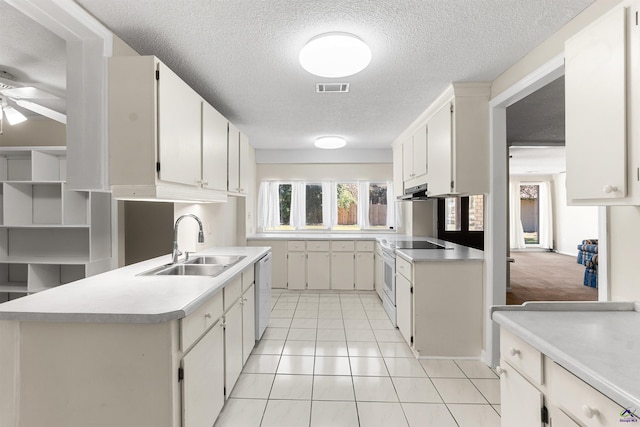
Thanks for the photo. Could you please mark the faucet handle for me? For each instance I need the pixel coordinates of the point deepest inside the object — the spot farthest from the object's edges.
(186, 255)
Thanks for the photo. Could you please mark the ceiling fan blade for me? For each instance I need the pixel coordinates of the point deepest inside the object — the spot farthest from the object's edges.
(13, 116)
(43, 111)
(27, 92)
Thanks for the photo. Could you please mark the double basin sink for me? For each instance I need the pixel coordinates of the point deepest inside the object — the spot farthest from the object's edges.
(205, 265)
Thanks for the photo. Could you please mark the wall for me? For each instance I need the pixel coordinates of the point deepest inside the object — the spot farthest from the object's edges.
(220, 222)
(624, 253)
(323, 171)
(148, 230)
(38, 131)
(572, 223)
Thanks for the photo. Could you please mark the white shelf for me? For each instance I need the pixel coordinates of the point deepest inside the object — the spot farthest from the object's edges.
(14, 287)
(45, 260)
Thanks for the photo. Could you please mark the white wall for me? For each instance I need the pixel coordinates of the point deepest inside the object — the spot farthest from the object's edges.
(572, 223)
(324, 171)
(624, 253)
(38, 131)
(220, 221)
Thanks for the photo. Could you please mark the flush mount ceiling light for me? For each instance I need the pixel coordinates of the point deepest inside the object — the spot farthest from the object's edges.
(330, 142)
(335, 55)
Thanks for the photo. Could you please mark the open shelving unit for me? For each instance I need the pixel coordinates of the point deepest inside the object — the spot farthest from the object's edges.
(49, 235)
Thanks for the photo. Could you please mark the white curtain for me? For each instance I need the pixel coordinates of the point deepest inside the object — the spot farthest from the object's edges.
(546, 216)
(329, 205)
(516, 233)
(298, 204)
(268, 205)
(363, 204)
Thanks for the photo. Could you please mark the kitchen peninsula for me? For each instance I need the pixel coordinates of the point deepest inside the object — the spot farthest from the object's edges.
(122, 348)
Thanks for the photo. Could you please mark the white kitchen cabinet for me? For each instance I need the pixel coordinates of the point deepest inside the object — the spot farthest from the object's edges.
(247, 163)
(560, 419)
(233, 162)
(248, 322)
(602, 153)
(318, 264)
(342, 264)
(155, 133)
(203, 379)
(378, 273)
(278, 260)
(364, 266)
(414, 157)
(521, 402)
(49, 235)
(233, 358)
(404, 307)
(296, 265)
(214, 148)
(398, 170)
(458, 140)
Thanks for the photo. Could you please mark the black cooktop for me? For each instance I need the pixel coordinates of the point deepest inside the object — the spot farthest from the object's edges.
(417, 245)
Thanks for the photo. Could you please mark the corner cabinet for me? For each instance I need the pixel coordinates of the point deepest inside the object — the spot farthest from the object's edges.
(164, 139)
(601, 96)
(49, 235)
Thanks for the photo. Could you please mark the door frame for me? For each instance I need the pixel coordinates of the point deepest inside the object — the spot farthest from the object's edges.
(496, 244)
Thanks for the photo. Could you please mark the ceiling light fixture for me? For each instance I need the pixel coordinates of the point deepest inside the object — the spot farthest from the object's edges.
(330, 142)
(335, 55)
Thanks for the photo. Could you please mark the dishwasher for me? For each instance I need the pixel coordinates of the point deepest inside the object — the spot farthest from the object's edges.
(262, 294)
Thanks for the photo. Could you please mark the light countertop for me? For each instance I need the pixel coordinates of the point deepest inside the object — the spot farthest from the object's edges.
(120, 296)
(454, 252)
(597, 342)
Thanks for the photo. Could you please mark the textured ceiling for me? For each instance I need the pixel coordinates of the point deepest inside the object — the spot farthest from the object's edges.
(241, 55)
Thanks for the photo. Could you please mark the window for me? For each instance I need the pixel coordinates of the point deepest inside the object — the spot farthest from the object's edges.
(461, 220)
(284, 193)
(313, 205)
(530, 213)
(378, 205)
(347, 205)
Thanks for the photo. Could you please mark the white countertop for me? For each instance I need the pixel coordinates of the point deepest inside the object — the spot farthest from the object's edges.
(120, 296)
(597, 342)
(454, 252)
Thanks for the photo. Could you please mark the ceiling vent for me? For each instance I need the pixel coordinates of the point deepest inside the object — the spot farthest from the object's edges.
(332, 87)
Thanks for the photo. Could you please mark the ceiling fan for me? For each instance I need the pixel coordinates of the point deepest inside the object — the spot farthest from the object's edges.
(26, 97)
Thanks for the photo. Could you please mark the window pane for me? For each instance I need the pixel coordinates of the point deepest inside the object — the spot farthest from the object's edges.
(377, 205)
(347, 204)
(314, 205)
(285, 203)
(530, 213)
(476, 213)
(452, 214)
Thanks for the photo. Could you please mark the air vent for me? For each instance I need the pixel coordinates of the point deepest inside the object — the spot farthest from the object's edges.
(332, 87)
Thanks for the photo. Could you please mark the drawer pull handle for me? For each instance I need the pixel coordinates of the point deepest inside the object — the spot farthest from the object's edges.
(514, 351)
(208, 315)
(500, 370)
(590, 412)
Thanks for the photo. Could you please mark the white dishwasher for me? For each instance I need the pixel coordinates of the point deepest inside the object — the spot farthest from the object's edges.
(263, 294)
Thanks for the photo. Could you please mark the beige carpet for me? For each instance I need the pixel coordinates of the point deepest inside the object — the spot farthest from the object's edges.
(547, 276)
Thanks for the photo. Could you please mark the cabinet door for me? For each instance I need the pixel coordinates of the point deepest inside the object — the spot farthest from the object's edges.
(318, 269)
(233, 163)
(378, 274)
(364, 271)
(595, 97)
(407, 160)
(233, 361)
(439, 151)
(560, 419)
(404, 308)
(179, 130)
(203, 383)
(296, 270)
(214, 148)
(248, 322)
(342, 270)
(246, 158)
(398, 181)
(420, 152)
(521, 402)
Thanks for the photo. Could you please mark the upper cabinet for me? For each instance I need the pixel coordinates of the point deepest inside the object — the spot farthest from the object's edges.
(448, 146)
(165, 141)
(602, 160)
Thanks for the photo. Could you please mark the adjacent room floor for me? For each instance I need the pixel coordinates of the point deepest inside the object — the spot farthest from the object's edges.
(547, 276)
(334, 359)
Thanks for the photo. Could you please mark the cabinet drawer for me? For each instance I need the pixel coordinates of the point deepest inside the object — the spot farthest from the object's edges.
(581, 401)
(364, 246)
(295, 245)
(521, 356)
(197, 323)
(343, 246)
(248, 277)
(232, 292)
(318, 246)
(404, 267)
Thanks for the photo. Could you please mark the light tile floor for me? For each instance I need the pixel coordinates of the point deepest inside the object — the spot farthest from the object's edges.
(332, 359)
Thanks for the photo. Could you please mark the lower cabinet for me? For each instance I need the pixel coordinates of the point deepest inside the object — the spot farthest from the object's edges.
(318, 270)
(404, 307)
(248, 322)
(521, 402)
(232, 346)
(560, 419)
(364, 271)
(278, 260)
(296, 270)
(203, 382)
(342, 271)
(378, 270)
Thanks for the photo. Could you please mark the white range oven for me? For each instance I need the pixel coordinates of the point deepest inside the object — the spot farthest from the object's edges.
(389, 270)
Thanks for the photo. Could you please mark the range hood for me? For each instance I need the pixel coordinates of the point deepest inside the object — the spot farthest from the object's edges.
(413, 194)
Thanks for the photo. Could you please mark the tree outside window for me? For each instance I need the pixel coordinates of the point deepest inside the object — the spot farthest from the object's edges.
(347, 205)
(284, 191)
(377, 205)
(314, 205)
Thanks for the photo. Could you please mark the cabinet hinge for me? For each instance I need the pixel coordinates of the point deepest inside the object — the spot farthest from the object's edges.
(636, 17)
(412, 289)
(224, 390)
(180, 374)
(411, 339)
(544, 415)
(451, 107)
(157, 74)
(157, 166)
(452, 185)
(637, 174)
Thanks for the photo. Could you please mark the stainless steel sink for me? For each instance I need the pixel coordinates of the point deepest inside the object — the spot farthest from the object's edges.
(226, 260)
(186, 270)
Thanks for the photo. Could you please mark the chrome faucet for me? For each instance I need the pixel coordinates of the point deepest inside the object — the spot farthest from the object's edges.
(176, 252)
